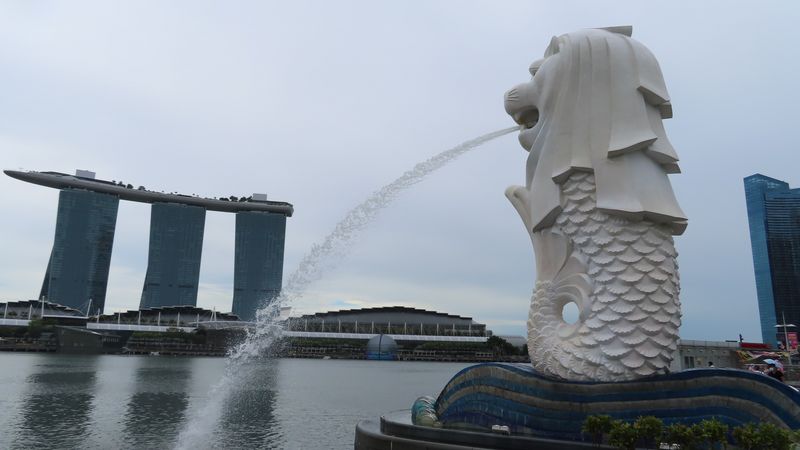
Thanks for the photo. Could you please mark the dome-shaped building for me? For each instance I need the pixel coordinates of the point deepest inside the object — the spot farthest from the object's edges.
(382, 347)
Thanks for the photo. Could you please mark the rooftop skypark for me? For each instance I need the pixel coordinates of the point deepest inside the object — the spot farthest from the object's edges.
(86, 180)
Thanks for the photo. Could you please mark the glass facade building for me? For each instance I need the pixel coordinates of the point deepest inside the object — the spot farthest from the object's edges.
(258, 265)
(173, 262)
(773, 211)
(77, 271)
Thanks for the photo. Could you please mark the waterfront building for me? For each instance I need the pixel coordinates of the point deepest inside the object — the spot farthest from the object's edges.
(77, 272)
(21, 312)
(393, 320)
(392, 332)
(692, 354)
(145, 319)
(773, 211)
(258, 266)
(173, 262)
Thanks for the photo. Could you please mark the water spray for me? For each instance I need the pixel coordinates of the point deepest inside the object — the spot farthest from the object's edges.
(268, 329)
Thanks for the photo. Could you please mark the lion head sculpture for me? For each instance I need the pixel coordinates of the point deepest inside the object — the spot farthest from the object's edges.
(595, 103)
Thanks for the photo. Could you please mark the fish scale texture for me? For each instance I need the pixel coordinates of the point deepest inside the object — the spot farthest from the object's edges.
(623, 276)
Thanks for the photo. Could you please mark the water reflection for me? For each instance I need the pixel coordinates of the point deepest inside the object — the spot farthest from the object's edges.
(128, 402)
(58, 403)
(248, 419)
(158, 403)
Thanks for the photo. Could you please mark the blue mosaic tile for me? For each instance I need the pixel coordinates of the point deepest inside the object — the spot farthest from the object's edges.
(485, 409)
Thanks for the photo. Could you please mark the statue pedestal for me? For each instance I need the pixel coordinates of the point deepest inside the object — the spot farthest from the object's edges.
(543, 412)
(529, 404)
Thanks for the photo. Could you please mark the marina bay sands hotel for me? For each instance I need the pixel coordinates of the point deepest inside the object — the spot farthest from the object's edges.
(77, 272)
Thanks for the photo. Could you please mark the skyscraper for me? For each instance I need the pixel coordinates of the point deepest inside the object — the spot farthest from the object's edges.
(773, 211)
(173, 262)
(77, 271)
(258, 266)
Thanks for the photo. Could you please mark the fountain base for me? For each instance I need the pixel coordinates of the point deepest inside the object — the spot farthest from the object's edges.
(532, 408)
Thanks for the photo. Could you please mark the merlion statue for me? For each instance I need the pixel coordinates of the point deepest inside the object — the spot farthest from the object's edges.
(599, 207)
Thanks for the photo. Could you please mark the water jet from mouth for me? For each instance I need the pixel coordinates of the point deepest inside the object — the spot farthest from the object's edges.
(323, 255)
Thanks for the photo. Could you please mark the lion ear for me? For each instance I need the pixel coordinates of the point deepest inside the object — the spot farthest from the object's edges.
(626, 30)
(553, 48)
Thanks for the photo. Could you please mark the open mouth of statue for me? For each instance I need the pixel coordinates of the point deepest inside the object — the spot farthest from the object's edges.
(528, 118)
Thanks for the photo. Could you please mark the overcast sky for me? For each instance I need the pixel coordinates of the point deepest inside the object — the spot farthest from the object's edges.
(321, 103)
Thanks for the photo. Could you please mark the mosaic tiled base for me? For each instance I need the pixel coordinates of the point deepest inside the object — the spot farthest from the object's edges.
(514, 395)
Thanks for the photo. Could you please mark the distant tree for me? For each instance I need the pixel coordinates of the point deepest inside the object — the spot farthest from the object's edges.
(501, 346)
(35, 328)
(129, 186)
(623, 435)
(715, 433)
(233, 198)
(682, 435)
(649, 430)
(597, 426)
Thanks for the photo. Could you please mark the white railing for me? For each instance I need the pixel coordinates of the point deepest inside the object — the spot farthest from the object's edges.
(15, 322)
(131, 327)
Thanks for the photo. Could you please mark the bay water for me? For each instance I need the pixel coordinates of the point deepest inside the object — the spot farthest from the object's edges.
(110, 401)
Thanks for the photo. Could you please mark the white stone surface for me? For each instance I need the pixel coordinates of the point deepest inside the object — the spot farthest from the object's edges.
(599, 207)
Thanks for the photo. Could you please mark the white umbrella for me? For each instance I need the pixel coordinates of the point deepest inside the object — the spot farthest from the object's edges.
(774, 362)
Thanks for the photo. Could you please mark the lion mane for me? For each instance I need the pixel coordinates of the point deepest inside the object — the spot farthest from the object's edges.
(600, 98)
